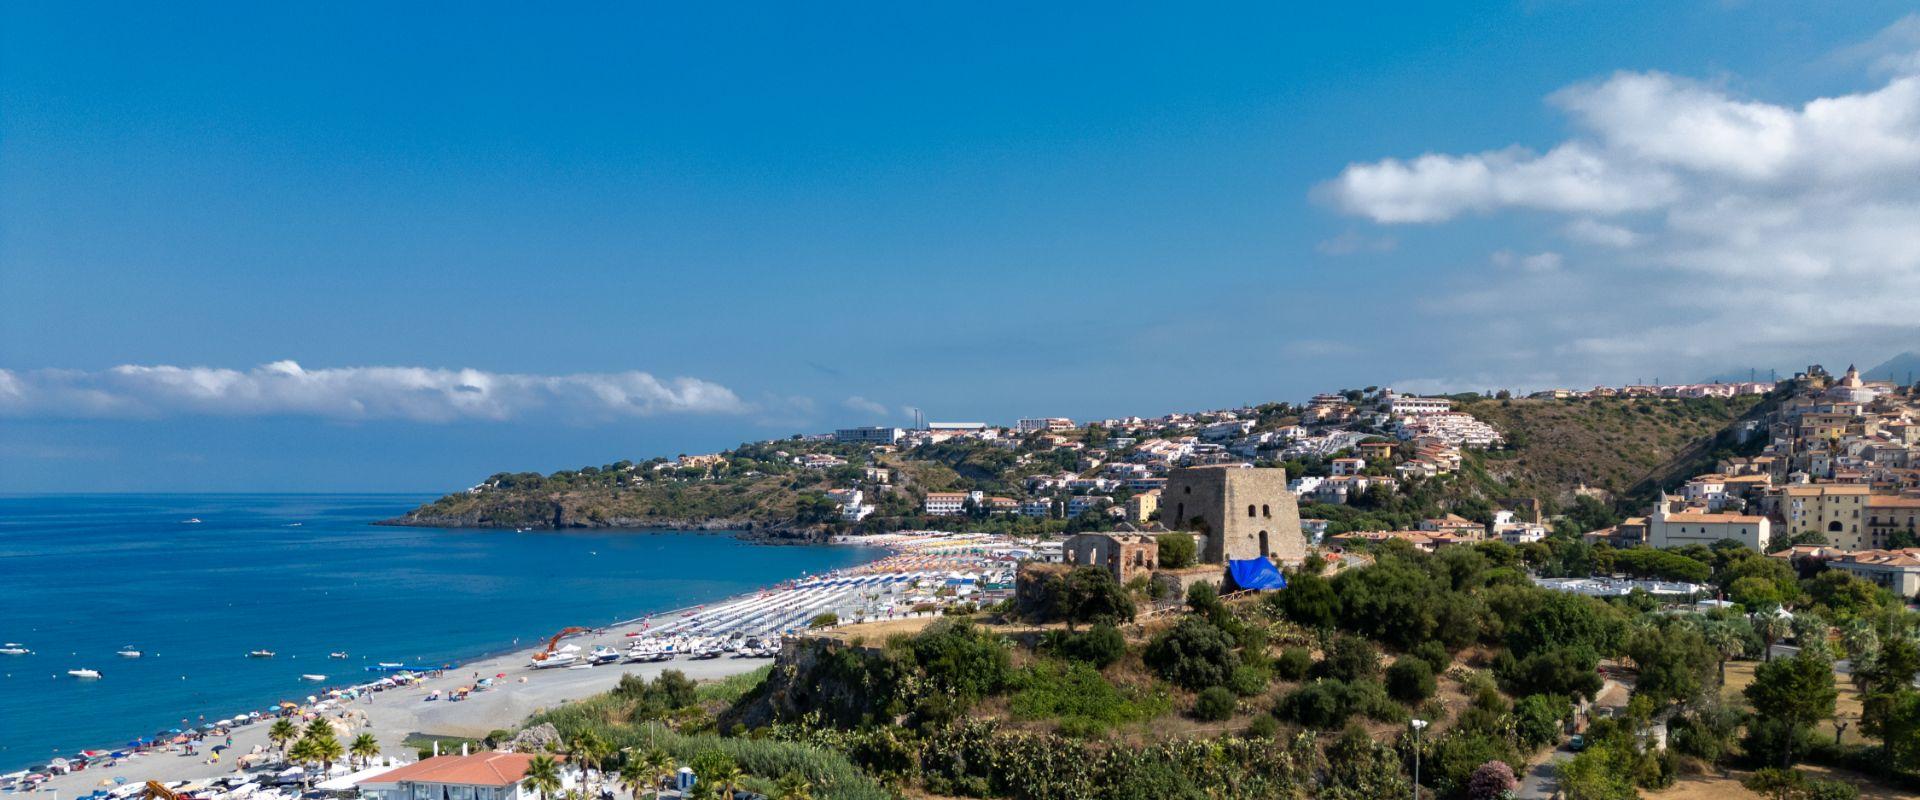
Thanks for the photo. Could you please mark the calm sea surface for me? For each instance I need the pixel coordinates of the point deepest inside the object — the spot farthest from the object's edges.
(302, 575)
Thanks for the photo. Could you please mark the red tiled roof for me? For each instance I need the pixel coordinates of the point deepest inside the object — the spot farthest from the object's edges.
(478, 769)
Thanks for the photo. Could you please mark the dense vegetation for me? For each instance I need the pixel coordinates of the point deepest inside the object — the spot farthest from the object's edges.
(1308, 692)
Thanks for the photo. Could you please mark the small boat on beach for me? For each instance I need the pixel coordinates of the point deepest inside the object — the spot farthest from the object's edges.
(603, 654)
(337, 654)
(555, 660)
(313, 677)
(84, 673)
(14, 649)
(129, 652)
(260, 654)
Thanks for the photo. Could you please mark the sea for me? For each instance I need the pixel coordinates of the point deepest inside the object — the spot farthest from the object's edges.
(303, 575)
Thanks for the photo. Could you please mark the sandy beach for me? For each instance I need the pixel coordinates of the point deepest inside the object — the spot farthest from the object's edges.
(395, 714)
(924, 570)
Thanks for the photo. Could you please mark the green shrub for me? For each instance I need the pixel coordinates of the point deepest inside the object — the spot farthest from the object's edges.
(1263, 727)
(1435, 654)
(1350, 658)
(1076, 692)
(1100, 645)
(1214, 704)
(1410, 680)
(1293, 663)
(1193, 654)
(1248, 681)
(1177, 550)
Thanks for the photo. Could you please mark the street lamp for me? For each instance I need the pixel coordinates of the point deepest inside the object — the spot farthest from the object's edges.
(1417, 725)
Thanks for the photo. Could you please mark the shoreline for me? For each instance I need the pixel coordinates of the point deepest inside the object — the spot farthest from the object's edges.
(396, 714)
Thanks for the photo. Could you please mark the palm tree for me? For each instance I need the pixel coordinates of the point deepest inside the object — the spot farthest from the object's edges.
(543, 776)
(659, 766)
(364, 748)
(1861, 639)
(282, 733)
(793, 786)
(326, 750)
(320, 727)
(1772, 628)
(725, 779)
(1726, 643)
(589, 751)
(634, 776)
(1810, 631)
(304, 752)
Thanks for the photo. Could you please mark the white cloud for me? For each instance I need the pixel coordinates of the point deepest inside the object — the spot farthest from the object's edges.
(1352, 241)
(1731, 230)
(1589, 231)
(420, 394)
(865, 406)
(1536, 263)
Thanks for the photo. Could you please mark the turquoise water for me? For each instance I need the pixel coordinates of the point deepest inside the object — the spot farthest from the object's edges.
(82, 576)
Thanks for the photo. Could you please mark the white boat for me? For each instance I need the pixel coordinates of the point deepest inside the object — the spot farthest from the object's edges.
(603, 654)
(129, 652)
(84, 673)
(313, 677)
(260, 654)
(14, 649)
(391, 664)
(554, 660)
(190, 521)
(337, 654)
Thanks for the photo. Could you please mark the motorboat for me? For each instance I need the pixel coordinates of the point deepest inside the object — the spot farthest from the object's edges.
(312, 677)
(260, 654)
(391, 665)
(553, 660)
(603, 654)
(129, 652)
(14, 649)
(84, 673)
(337, 654)
(190, 521)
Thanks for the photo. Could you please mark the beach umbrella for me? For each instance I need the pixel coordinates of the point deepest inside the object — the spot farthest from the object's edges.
(219, 748)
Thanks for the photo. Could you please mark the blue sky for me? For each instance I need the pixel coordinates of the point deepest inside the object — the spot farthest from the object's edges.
(820, 215)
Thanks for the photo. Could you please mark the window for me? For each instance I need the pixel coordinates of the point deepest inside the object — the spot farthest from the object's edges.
(1263, 543)
(1264, 511)
(1249, 509)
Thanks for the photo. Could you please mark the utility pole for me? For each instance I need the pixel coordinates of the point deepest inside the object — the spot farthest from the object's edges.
(1417, 725)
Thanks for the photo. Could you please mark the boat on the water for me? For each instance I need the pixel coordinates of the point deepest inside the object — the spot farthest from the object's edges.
(260, 654)
(129, 652)
(391, 664)
(190, 521)
(84, 673)
(14, 649)
(337, 654)
(313, 677)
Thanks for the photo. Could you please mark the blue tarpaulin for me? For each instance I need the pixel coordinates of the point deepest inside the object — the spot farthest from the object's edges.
(1256, 573)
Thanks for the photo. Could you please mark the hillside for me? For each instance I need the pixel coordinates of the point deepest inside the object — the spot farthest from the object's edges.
(1627, 448)
(1620, 446)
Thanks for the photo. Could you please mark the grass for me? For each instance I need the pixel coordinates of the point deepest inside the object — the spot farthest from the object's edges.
(1080, 697)
(733, 687)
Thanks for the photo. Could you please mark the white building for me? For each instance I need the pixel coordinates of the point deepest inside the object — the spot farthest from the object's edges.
(1027, 426)
(1668, 529)
(481, 776)
(1406, 405)
(868, 435)
(948, 504)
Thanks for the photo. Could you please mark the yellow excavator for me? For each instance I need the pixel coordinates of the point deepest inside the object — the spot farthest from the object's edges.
(157, 791)
(551, 644)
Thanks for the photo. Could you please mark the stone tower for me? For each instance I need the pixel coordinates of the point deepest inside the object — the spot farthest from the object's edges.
(1243, 513)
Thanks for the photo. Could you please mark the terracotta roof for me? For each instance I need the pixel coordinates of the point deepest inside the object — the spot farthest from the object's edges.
(479, 769)
(1711, 518)
(1884, 501)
